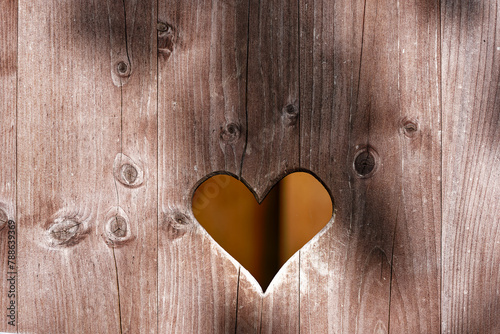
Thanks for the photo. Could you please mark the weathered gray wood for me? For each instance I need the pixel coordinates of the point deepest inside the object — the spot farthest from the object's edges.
(201, 110)
(370, 80)
(471, 179)
(8, 128)
(72, 126)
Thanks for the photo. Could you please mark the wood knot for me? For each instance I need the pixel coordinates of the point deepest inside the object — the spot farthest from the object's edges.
(123, 69)
(128, 172)
(290, 114)
(410, 128)
(230, 132)
(117, 229)
(66, 230)
(166, 39)
(365, 162)
(3, 219)
(176, 224)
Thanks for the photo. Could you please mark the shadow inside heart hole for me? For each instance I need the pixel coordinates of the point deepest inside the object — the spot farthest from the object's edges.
(262, 237)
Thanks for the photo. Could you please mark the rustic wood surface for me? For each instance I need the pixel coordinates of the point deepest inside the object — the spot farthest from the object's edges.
(363, 91)
(114, 112)
(8, 136)
(471, 152)
(91, 225)
(202, 130)
(68, 135)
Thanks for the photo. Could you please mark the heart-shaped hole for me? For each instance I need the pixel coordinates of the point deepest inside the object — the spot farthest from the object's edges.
(262, 237)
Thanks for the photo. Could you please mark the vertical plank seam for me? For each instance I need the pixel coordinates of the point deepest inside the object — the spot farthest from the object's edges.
(155, 48)
(299, 132)
(237, 299)
(244, 150)
(350, 138)
(454, 277)
(117, 209)
(299, 96)
(121, 154)
(126, 37)
(299, 283)
(402, 198)
(118, 289)
(246, 92)
(440, 92)
(17, 169)
(392, 266)
(261, 310)
(360, 61)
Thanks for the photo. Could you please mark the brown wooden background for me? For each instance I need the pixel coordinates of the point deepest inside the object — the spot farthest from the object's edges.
(112, 112)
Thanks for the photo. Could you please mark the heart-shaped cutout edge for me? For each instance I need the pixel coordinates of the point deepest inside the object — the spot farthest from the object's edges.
(260, 198)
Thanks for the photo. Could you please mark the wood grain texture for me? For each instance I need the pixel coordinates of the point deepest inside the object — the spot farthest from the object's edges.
(280, 304)
(134, 241)
(202, 130)
(330, 47)
(471, 152)
(68, 139)
(124, 107)
(249, 306)
(8, 97)
(272, 148)
(71, 133)
(370, 82)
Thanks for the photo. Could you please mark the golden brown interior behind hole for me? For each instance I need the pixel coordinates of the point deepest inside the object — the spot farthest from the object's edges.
(262, 237)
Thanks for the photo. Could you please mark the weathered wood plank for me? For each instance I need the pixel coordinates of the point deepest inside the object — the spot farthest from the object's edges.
(249, 306)
(272, 147)
(369, 83)
(471, 153)
(8, 128)
(331, 37)
(72, 118)
(280, 304)
(106, 175)
(416, 264)
(202, 127)
(132, 227)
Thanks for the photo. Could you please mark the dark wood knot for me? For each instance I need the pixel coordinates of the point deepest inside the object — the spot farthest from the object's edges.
(118, 230)
(365, 162)
(128, 172)
(166, 39)
(230, 132)
(410, 128)
(123, 69)
(66, 231)
(3, 219)
(290, 114)
(176, 224)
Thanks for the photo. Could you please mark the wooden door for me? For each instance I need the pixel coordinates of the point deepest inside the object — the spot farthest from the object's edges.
(113, 112)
